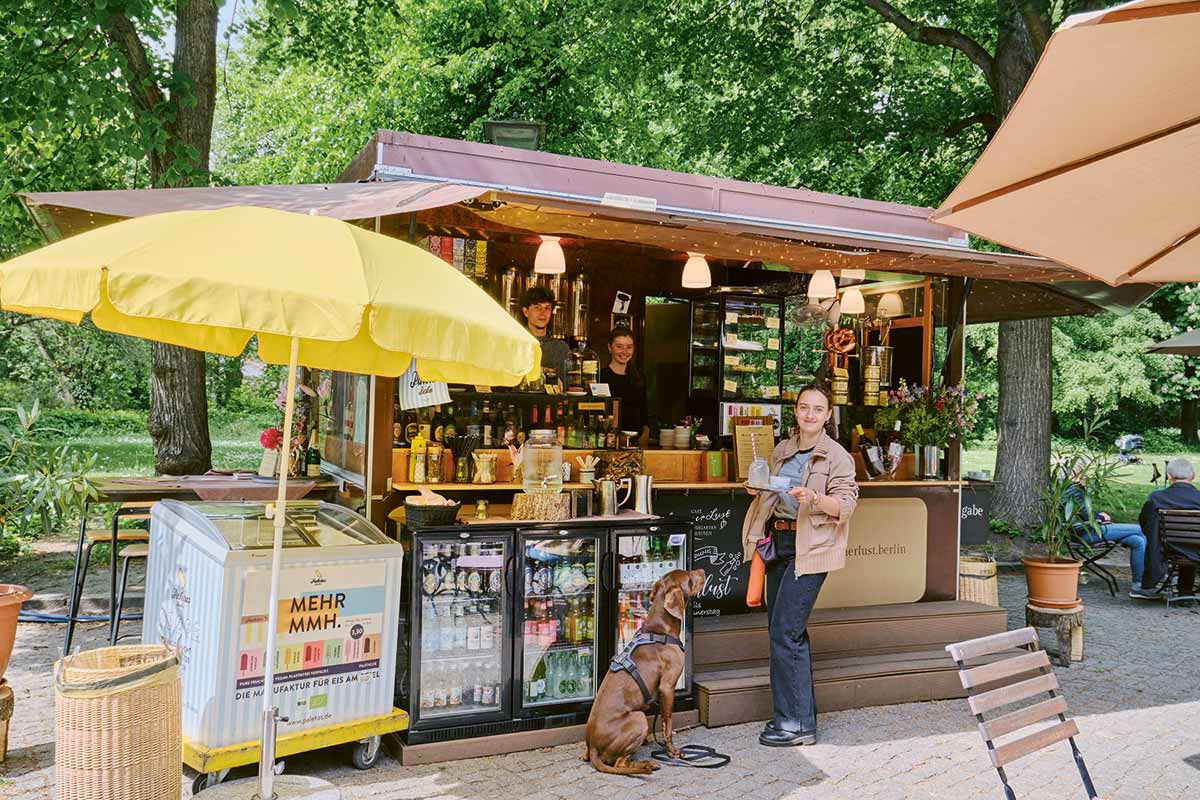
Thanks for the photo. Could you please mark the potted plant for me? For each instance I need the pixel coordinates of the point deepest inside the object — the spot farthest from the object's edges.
(1076, 478)
(930, 420)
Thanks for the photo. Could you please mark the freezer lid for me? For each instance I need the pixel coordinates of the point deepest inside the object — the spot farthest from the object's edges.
(308, 523)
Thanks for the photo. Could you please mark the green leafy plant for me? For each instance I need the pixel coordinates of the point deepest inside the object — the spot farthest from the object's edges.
(934, 416)
(1078, 476)
(40, 484)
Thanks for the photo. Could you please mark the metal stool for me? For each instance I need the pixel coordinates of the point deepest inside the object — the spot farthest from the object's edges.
(130, 552)
(88, 539)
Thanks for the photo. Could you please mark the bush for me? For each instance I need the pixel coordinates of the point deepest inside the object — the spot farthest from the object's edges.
(74, 422)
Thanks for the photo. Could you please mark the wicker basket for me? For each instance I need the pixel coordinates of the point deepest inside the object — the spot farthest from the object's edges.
(418, 516)
(977, 581)
(117, 725)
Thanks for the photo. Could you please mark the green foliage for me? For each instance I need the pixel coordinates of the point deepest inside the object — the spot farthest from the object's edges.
(40, 484)
(1078, 477)
(1003, 528)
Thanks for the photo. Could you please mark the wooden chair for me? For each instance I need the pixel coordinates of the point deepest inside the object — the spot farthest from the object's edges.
(1179, 541)
(1021, 676)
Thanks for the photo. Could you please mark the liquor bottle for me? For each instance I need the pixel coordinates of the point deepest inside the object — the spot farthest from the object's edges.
(397, 423)
(425, 424)
(560, 425)
(449, 425)
(312, 457)
(534, 416)
(401, 430)
(486, 426)
(410, 427)
(546, 420)
(598, 433)
(439, 425)
(498, 426)
(572, 431)
(894, 444)
(509, 436)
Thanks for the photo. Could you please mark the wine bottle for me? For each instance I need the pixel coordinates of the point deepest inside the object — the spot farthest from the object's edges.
(449, 426)
(895, 446)
(312, 457)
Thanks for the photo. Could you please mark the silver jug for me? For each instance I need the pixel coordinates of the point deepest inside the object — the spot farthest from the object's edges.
(643, 494)
(609, 502)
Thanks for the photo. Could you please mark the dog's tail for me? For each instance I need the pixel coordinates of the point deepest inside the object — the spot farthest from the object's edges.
(635, 768)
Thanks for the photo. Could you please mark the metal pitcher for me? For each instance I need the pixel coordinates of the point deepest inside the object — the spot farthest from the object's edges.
(610, 504)
(643, 494)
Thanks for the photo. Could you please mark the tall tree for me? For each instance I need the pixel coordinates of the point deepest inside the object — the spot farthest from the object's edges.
(1018, 31)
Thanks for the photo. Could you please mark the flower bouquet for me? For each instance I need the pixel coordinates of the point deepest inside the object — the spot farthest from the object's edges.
(930, 419)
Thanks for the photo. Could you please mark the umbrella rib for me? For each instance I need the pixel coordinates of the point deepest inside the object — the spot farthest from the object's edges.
(1025, 183)
(1182, 240)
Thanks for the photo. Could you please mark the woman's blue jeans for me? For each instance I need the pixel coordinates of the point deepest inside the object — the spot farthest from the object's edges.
(1127, 534)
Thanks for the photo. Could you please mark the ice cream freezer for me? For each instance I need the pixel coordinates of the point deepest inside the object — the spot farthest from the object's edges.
(207, 590)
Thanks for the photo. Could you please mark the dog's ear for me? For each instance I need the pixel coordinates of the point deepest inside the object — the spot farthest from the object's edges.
(673, 603)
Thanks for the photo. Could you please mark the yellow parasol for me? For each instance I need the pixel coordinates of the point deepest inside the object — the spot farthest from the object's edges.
(314, 290)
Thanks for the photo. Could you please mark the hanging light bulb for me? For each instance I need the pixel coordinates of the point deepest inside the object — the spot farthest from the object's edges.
(852, 301)
(890, 305)
(822, 285)
(550, 259)
(696, 274)
(853, 274)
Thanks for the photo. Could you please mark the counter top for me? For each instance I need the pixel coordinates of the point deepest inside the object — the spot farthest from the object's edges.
(679, 486)
(726, 485)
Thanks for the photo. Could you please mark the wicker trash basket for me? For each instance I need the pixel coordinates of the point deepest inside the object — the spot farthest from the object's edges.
(977, 581)
(117, 724)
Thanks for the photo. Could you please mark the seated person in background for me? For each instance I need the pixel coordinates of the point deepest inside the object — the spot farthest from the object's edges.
(1125, 533)
(1179, 494)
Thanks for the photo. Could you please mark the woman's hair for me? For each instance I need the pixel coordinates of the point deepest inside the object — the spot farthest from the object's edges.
(816, 386)
(630, 368)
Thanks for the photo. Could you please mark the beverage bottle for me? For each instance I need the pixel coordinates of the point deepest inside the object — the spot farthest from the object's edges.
(895, 445)
(585, 673)
(485, 424)
(460, 630)
(476, 682)
(589, 621)
(573, 620)
(567, 676)
(473, 636)
(534, 416)
(449, 425)
(551, 678)
(454, 694)
(560, 425)
(487, 636)
(411, 429)
(491, 689)
(531, 684)
(546, 421)
(446, 634)
(417, 460)
(439, 686)
(429, 631)
(510, 428)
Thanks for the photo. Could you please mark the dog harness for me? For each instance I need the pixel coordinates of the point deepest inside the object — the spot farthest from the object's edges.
(623, 662)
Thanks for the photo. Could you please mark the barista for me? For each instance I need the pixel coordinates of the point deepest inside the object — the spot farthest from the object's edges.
(624, 381)
(537, 306)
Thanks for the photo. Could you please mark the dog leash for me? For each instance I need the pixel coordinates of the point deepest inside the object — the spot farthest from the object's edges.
(699, 756)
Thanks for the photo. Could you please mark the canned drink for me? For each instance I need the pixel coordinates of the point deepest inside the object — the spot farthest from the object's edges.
(481, 509)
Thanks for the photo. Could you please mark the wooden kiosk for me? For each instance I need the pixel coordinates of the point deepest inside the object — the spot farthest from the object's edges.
(882, 622)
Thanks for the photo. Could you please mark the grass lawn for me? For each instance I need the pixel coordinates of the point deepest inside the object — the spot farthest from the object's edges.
(1124, 500)
(235, 446)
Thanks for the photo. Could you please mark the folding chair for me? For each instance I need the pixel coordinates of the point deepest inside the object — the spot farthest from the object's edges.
(1179, 540)
(1090, 554)
(998, 683)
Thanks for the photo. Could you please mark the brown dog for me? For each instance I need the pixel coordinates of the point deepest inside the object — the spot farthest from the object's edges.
(617, 726)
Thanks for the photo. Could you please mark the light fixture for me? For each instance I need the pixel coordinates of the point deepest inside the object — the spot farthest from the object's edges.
(550, 259)
(853, 274)
(520, 133)
(852, 301)
(890, 305)
(696, 274)
(822, 285)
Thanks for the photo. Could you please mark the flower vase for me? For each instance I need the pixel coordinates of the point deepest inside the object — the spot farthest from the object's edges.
(929, 462)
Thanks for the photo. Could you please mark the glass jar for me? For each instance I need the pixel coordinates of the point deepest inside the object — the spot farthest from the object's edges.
(541, 463)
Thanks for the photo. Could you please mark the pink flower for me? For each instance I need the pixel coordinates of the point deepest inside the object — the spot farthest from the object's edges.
(271, 438)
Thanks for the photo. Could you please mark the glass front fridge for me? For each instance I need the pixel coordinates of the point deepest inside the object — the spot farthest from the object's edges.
(643, 555)
(459, 616)
(557, 664)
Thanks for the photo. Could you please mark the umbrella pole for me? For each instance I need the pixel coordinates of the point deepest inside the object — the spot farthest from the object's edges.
(266, 762)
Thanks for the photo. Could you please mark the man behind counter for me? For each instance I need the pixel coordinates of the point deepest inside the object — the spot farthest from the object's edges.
(537, 306)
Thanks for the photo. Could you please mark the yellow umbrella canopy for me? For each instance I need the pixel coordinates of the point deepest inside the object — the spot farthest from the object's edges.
(1096, 166)
(356, 301)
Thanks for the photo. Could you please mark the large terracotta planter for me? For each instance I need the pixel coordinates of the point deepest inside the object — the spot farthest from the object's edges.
(1052, 584)
(11, 598)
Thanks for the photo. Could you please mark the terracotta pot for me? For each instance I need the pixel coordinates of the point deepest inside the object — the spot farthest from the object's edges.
(11, 598)
(1052, 584)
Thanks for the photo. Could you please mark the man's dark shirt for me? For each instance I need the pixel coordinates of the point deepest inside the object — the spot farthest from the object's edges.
(1178, 496)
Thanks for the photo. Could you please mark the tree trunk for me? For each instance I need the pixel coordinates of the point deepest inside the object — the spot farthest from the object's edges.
(1187, 421)
(178, 421)
(1023, 420)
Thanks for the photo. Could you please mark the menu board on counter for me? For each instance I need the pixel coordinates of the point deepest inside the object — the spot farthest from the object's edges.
(717, 547)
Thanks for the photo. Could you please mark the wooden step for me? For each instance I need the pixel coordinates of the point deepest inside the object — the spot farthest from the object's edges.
(735, 641)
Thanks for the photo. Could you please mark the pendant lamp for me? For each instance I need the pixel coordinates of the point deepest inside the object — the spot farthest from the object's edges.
(696, 274)
(549, 259)
(852, 301)
(890, 305)
(822, 286)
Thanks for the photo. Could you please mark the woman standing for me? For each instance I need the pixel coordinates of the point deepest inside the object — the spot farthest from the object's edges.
(810, 525)
(623, 380)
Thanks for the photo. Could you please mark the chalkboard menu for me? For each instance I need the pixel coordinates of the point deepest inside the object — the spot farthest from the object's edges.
(717, 547)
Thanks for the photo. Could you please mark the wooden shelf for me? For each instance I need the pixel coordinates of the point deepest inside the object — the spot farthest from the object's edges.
(475, 487)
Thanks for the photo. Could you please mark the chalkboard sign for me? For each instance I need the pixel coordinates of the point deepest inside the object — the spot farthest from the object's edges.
(717, 547)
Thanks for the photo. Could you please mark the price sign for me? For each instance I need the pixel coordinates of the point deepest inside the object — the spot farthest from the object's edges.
(772, 344)
(731, 318)
(730, 386)
(771, 363)
(770, 391)
(733, 361)
(731, 340)
(773, 323)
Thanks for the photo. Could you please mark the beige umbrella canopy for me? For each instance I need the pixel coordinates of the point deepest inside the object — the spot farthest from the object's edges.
(1098, 164)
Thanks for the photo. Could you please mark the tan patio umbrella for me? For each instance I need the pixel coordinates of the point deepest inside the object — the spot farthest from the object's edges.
(1097, 166)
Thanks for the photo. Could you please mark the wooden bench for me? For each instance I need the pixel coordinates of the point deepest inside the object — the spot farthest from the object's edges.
(1018, 678)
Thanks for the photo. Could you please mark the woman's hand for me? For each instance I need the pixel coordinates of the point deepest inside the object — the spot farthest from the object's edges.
(804, 495)
(751, 492)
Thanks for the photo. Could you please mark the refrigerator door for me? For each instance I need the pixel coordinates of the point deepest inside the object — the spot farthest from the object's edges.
(460, 614)
(558, 670)
(642, 556)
